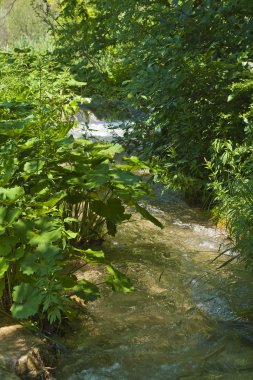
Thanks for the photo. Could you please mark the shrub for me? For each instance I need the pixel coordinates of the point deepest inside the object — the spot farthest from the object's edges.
(57, 194)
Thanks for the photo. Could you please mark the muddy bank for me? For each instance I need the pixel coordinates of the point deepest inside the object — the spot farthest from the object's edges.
(23, 355)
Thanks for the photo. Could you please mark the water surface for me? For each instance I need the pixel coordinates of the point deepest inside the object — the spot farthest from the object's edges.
(185, 319)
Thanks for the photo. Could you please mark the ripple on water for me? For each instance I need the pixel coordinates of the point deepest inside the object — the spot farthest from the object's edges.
(104, 373)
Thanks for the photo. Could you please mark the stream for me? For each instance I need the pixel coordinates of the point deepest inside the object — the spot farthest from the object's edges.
(186, 318)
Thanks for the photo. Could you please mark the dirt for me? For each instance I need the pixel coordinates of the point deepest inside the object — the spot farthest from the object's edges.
(23, 355)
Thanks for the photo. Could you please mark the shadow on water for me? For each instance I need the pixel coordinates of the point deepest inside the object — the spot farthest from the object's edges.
(184, 319)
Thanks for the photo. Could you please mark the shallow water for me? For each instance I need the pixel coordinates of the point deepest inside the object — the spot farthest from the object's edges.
(184, 319)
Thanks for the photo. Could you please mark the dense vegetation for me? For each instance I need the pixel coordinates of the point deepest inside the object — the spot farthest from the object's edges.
(187, 66)
(182, 70)
(58, 195)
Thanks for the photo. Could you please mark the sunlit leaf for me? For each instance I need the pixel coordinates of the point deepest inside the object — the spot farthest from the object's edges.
(34, 166)
(146, 214)
(118, 281)
(54, 199)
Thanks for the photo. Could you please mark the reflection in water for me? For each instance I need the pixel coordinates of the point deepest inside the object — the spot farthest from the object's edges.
(182, 321)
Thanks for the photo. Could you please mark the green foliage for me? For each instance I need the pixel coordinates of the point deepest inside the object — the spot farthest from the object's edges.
(187, 67)
(118, 281)
(174, 61)
(26, 301)
(231, 177)
(57, 193)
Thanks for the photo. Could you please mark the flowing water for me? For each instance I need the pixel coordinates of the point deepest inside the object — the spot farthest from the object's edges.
(185, 319)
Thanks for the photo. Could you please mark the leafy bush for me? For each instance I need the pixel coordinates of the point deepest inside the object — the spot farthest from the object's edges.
(57, 195)
(231, 176)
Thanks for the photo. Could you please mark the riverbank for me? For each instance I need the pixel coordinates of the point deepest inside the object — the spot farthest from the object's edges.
(23, 354)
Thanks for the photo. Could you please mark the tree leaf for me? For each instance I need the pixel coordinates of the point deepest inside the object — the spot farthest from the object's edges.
(14, 128)
(27, 300)
(42, 261)
(113, 210)
(13, 213)
(54, 199)
(7, 244)
(118, 281)
(11, 195)
(34, 166)
(144, 212)
(92, 256)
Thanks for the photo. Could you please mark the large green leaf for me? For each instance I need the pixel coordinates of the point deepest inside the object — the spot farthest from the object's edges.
(14, 128)
(49, 230)
(2, 230)
(3, 212)
(7, 244)
(68, 281)
(33, 166)
(17, 107)
(44, 237)
(124, 178)
(45, 230)
(8, 215)
(17, 254)
(146, 214)
(98, 177)
(23, 228)
(111, 150)
(29, 143)
(27, 300)
(92, 256)
(113, 210)
(13, 213)
(42, 261)
(54, 199)
(9, 167)
(118, 281)
(29, 264)
(11, 195)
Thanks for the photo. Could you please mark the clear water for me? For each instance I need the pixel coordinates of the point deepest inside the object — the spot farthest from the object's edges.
(186, 318)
